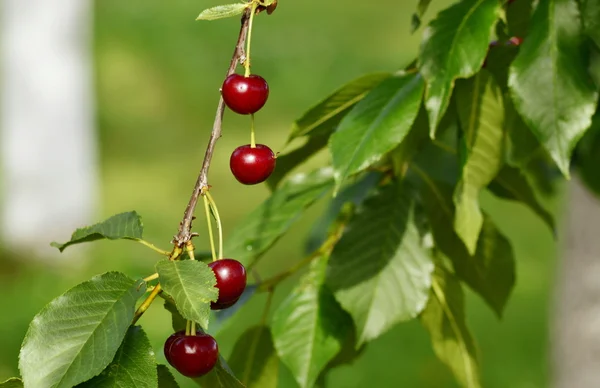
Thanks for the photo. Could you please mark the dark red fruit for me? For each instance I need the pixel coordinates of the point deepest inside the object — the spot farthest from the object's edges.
(231, 282)
(245, 95)
(252, 165)
(193, 355)
(514, 41)
(170, 341)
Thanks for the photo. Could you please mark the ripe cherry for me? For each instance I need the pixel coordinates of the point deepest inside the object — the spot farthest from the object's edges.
(514, 41)
(245, 95)
(169, 342)
(252, 165)
(231, 282)
(193, 355)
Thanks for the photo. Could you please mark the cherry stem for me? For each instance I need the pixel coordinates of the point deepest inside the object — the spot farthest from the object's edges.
(247, 61)
(252, 135)
(153, 247)
(184, 233)
(146, 303)
(193, 328)
(215, 211)
(151, 277)
(211, 236)
(324, 250)
(190, 250)
(188, 327)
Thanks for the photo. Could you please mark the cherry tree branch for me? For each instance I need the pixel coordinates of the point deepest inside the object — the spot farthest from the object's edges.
(185, 226)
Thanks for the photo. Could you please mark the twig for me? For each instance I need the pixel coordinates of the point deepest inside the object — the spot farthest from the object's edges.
(185, 234)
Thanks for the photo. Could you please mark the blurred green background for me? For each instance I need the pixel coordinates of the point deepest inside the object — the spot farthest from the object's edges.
(157, 76)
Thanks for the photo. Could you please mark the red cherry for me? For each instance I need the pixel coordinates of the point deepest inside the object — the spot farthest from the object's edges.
(193, 356)
(252, 165)
(514, 41)
(169, 342)
(231, 282)
(245, 95)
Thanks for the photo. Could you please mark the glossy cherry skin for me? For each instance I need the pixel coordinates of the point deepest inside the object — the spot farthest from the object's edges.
(245, 95)
(193, 355)
(169, 342)
(231, 282)
(252, 165)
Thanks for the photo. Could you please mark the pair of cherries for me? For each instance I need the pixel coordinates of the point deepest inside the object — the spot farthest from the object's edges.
(247, 95)
(196, 355)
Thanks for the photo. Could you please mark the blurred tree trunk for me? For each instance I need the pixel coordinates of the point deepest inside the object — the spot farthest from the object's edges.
(576, 324)
(47, 144)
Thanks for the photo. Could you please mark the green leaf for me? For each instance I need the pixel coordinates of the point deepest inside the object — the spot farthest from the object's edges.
(12, 383)
(121, 226)
(454, 46)
(518, 17)
(444, 319)
(223, 11)
(379, 271)
(417, 16)
(549, 81)
(258, 231)
(310, 327)
(412, 144)
(191, 284)
(481, 113)
(353, 193)
(321, 119)
(134, 365)
(178, 322)
(165, 378)
(490, 272)
(254, 359)
(220, 376)
(287, 162)
(588, 156)
(511, 184)
(590, 12)
(224, 318)
(522, 144)
(376, 125)
(77, 335)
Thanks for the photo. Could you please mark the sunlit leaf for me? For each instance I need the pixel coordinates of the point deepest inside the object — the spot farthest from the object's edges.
(444, 319)
(454, 46)
(481, 113)
(322, 118)
(310, 327)
(549, 81)
(379, 271)
(77, 335)
(191, 284)
(223, 11)
(490, 272)
(134, 365)
(121, 226)
(376, 125)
